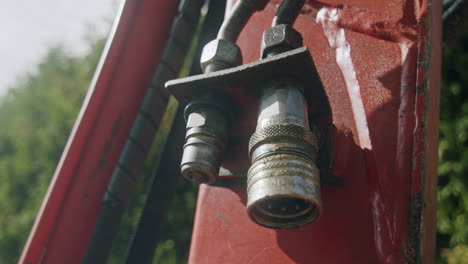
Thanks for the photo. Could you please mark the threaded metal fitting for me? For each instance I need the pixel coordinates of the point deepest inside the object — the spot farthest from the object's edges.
(288, 138)
(284, 191)
(283, 183)
(220, 54)
(204, 143)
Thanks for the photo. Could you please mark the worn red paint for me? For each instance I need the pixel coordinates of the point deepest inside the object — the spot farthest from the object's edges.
(367, 22)
(377, 217)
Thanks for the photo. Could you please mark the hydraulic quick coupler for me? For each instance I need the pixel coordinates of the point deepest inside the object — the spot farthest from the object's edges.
(283, 182)
(207, 121)
(208, 118)
(283, 185)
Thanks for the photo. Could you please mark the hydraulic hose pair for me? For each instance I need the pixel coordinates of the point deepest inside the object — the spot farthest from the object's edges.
(283, 182)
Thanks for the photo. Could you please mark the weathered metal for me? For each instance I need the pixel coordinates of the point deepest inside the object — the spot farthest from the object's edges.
(379, 64)
(283, 182)
(208, 122)
(278, 39)
(243, 85)
(283, 193)
(220, 54)
(204, 148)
(247, 80)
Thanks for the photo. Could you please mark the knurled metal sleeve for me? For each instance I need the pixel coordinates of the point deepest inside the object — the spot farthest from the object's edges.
(283, 130)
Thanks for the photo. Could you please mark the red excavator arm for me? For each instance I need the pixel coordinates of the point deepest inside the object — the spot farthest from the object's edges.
(377, 67)
(67, 217)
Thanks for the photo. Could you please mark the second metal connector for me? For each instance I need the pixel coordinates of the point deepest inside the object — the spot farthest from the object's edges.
(283, 182)
(207, 128)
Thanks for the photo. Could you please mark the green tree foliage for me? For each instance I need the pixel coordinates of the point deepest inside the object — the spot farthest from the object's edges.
(36, 117)
(452, 216)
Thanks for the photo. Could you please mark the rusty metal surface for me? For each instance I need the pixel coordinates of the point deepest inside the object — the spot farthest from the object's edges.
(379, 64)
(242, 85)
(283, 182)
(204, 145)
(248, 78)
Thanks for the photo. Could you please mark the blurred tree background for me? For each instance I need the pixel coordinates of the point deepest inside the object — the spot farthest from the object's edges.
(36, 118)
(452, 211)
(37, 114)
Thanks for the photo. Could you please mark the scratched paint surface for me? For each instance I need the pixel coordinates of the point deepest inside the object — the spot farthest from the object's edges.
(370, 56)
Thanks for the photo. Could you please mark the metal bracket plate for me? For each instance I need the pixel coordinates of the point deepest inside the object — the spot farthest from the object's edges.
(241, 84)
(297, 63)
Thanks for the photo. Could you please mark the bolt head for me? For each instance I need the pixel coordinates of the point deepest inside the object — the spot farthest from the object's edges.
(280, 38)
(220, 53)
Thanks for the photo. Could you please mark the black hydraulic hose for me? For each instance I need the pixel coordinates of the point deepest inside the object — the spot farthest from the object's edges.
(288, 12)
(213, 20)
(455, 17)
(452, 7)
(164, 177)
(240, 14)
(130, 164)
(163, 187)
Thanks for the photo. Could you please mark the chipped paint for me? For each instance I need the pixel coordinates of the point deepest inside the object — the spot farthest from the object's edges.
(327, 17)
(384, 219)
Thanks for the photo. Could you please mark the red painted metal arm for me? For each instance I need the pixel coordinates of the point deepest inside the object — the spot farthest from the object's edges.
(69, 211)
(379, 62)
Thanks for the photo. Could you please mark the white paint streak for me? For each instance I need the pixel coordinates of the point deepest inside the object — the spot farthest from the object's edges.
(404, 48)
(327, 17)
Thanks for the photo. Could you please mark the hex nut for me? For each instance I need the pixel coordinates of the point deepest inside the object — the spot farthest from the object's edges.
(206, 117)
(220, 54)
(280, 38)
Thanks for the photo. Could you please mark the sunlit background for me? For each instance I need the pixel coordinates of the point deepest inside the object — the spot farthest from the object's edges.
(30, 27)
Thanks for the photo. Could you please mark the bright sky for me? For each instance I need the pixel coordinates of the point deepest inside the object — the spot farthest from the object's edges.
(29, 27)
